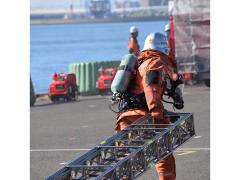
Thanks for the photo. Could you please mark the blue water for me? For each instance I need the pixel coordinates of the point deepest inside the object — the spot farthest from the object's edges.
(54, 47)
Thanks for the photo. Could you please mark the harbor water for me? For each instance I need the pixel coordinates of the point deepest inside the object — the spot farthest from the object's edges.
(54, 47)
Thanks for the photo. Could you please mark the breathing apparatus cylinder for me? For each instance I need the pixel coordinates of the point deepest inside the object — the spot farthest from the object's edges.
(126, 72)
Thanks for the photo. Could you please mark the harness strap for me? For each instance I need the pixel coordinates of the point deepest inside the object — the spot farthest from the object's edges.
(129, 102)
(125, 68)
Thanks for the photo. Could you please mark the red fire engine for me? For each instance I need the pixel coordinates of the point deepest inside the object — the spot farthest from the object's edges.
(63, 87)
(105, 80)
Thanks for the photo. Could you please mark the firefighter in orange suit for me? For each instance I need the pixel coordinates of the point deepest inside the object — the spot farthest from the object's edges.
(133, 46)
(150, 81)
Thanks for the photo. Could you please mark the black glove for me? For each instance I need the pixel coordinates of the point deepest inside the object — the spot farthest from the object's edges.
(177, 98)
(179, 79)
(179, 104)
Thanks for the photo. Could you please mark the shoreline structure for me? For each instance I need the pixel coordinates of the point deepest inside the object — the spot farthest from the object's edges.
(96, 21)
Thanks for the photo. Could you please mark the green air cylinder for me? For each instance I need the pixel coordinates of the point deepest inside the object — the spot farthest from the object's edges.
(126, 71)
(94, 78)
(96, 72)
(88, 79)
(78, 71)
(82, 78)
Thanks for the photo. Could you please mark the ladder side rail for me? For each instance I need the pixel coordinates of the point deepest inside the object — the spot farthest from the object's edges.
(61, 173)
(165, 151)
(65, 171)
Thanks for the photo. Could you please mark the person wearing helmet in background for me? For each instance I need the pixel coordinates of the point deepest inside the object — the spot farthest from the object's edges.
(149, 85)
(133, 46)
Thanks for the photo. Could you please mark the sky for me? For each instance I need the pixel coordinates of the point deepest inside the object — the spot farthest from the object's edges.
(36, 4)
(49, 4)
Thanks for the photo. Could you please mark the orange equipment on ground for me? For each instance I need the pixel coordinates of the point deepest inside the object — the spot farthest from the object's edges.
(105, 79)
(63, 87)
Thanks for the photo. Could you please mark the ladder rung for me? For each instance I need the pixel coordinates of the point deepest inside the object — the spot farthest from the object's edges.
(152, 124)
(128, 129)
(89, 166)
(140, 145)
(119, 147)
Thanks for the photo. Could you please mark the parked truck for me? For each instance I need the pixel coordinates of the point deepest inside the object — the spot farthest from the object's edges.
(105, 79)
(63, 87)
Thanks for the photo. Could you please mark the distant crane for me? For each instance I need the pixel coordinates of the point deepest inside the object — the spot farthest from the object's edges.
(99, 8)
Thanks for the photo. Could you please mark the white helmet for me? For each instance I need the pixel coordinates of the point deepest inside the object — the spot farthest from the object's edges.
(167, 27)
(133, 29)
(156, 41)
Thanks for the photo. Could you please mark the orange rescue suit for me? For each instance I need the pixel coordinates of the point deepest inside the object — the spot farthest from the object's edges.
(133, 46)
(151, 61)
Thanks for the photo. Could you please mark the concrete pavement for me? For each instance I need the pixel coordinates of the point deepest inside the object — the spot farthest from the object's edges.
(62, 132)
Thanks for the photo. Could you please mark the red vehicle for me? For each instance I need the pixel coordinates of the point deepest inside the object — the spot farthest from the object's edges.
(64, 87)
(105, 80)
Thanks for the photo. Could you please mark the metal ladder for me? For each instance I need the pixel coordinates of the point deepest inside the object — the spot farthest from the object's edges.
(131, 152)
